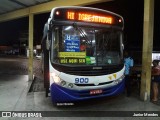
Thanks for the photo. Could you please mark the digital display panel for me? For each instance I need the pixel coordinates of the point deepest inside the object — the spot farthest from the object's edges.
(87, 15)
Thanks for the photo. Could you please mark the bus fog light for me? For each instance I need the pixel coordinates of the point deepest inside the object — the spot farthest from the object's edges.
(63, 83)
(70, 85)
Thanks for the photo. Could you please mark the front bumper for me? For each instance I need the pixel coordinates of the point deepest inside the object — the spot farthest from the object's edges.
(62, 95)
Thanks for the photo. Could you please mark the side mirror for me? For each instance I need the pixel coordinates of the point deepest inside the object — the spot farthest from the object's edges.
(122, 46)
(47, 44)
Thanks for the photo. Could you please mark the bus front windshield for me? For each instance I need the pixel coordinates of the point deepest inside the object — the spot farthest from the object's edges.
(83, 46)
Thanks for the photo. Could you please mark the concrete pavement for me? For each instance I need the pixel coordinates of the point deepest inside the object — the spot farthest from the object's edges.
(13, 88)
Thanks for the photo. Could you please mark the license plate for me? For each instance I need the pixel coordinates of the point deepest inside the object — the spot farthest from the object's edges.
(93, 92)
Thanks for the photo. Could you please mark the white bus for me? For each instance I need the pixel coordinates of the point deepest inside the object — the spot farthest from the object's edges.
(82, 54)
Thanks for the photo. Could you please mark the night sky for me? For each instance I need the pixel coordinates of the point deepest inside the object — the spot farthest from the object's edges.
(131, 10)
(9, 31)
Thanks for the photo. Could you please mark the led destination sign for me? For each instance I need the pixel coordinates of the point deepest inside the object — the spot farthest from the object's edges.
(89, 17)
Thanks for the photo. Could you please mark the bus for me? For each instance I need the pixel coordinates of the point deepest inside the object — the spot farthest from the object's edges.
(82, 54)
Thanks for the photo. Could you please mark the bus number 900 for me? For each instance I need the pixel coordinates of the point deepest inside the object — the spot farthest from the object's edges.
(81, 80)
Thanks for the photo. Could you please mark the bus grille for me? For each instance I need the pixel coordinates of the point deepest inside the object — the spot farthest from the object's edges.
(91, 72)
(88, 70)
(85, 85)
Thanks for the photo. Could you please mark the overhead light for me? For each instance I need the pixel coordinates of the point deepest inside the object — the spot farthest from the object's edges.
(69, 27)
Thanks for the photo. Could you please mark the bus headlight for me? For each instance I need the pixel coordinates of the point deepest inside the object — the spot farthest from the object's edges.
(63, 83)
(119, 80)
(54, 78)
(70, 85)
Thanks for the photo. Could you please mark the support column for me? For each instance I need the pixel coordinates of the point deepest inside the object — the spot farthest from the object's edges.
(30, 68)
(147, 49)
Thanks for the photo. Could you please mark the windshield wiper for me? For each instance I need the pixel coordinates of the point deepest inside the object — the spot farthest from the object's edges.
(81, 32)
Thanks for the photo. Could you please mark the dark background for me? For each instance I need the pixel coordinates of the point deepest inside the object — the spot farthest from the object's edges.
(131, 10)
